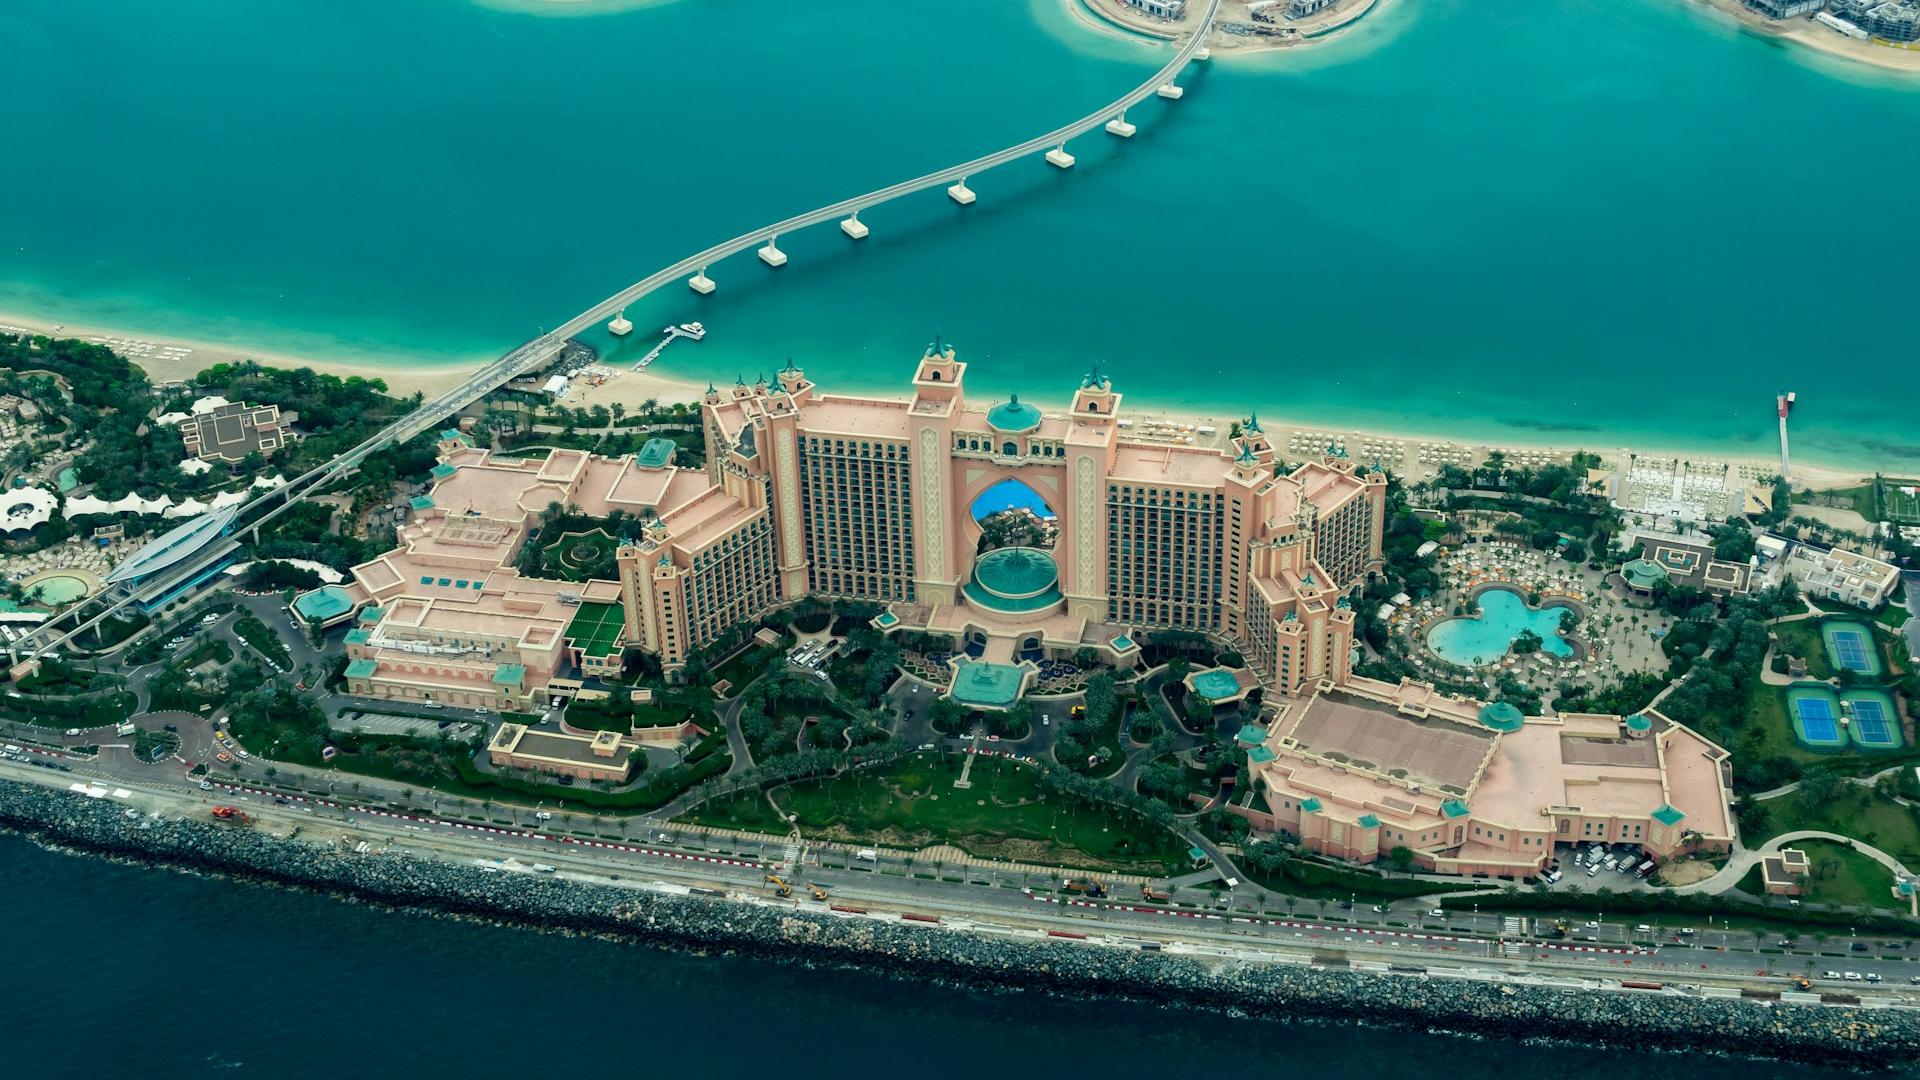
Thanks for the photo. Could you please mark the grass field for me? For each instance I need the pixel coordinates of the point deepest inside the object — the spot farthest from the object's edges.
(1857, 812)
(1802, 638)
(1844, 877)
(1004, 815)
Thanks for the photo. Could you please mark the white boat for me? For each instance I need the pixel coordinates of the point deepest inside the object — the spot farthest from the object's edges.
(693, 330)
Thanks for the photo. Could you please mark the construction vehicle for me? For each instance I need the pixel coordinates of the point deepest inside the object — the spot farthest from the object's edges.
(231, 815)
(1800, 982)
(818, 892)
(1077, 712)
(1087, 886)
(785, 890)
(1148, 892)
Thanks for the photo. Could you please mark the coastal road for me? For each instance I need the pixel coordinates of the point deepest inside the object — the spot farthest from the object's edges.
(962, 895)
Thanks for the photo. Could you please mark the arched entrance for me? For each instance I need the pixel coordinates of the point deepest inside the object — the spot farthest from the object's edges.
(1011, 513)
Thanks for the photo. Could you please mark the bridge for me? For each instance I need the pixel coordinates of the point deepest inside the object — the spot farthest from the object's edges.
(536, 354)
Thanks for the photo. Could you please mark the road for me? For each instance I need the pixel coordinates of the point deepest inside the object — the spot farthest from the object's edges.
(984, 896)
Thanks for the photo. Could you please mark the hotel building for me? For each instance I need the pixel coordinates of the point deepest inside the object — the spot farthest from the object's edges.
(869, 498)
(1359, 767)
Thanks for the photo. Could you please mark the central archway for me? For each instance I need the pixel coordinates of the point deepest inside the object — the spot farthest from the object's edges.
(1011, 513)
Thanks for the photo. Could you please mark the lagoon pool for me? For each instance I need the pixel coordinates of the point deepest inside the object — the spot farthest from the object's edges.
(1479, 641)
(56, 589)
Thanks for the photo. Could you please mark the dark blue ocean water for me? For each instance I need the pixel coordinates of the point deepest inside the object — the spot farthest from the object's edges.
(116, 971)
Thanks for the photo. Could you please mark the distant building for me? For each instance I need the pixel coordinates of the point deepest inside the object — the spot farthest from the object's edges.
(1161, 9)
(1894, 20)
(1683, 562)
(1841, 575)
(1300, 9)
(1784, 873)
(1786, 9)
(230, 431)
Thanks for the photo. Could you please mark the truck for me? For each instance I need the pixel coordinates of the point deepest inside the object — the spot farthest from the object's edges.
(1148, 892)
(232, 815)
(1087, 886)
(867, 854)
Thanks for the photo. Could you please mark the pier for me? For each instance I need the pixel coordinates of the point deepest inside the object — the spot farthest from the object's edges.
(673, 334)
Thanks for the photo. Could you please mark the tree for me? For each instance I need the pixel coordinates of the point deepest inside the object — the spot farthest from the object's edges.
(1401, 858)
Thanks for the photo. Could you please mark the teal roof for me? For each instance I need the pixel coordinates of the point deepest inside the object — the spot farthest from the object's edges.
(1502, 716)
(510, 675)
(323, 603)
(1014, 580)
(1013, 416)
(1643, 573)
(1252, 734)
(1368, 821)
(421, 502)
(444, 470)
(1217, 685)
(655, 454)
(1669, 815)
(360, 669)
(1094, 380)
(359, 636)
(1310, 806)
(1197, 854)
(1639, 722)
(1252, 424)
(1454, 808)
(1122, 643)
(976, 682)
(370, 614)
(886, 620)
(1260, 755)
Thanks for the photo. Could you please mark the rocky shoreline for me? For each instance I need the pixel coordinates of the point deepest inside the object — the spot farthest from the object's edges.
(1856, 1037)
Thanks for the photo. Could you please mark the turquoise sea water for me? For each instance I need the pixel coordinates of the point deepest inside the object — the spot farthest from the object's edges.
(1604, 222)
(1473, 642)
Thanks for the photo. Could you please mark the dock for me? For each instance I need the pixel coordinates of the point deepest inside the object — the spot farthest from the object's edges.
(671, 335)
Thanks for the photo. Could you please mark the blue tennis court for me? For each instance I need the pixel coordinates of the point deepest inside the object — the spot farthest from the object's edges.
(1873, 722)
(1852, 650)
(1817, 724)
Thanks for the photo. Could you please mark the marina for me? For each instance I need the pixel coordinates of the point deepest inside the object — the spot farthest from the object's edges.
(692, 331)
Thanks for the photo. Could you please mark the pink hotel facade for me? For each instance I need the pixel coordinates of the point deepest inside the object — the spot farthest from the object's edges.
(812, 493)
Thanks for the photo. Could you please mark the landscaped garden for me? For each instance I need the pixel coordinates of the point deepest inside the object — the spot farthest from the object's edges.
(1005, 813)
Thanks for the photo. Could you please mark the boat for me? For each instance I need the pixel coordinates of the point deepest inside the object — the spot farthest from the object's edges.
(694, 330)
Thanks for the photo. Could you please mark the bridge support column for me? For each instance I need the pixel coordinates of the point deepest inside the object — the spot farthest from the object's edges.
(1203, 53)
(1119, 126)
(700, 282)
(1059, 158)
(1171, 92)
(852, 226)
(620, 326)
(961, 193)
(772, 255)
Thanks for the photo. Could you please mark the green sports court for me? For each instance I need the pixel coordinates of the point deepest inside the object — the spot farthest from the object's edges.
(1851, 647)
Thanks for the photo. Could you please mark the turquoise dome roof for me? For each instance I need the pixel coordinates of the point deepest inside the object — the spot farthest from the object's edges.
(1013, 416)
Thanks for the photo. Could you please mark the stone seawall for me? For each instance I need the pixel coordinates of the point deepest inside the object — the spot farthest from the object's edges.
(1813, 1033)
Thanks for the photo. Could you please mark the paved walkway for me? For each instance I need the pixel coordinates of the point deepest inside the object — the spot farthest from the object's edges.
(1747, 858)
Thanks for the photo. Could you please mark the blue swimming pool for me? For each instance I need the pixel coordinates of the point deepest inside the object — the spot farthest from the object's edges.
(1477, 642)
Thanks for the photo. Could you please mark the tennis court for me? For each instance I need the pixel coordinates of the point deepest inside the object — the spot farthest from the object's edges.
(596, 627)
(1850, 646)
(1816, 715)
(1875, 725)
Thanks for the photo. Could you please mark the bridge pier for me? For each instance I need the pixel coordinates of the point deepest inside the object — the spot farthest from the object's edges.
(852, 226)
(1203, 53)
(961, 193)
(1171, 92)
(700, 282)
(1119, 126)
(772, 255)
(620, 326)
(1059, 158)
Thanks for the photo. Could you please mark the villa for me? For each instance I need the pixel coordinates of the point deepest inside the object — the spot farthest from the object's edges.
(1356, 768)
(1836, 574)
(229, 431)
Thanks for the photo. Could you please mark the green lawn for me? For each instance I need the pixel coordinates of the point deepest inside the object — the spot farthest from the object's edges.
(1802, 639)
(1846, 878)
(1004, 815)
(1857, 812)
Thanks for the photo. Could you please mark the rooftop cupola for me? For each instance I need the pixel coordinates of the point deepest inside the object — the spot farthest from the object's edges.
(1013, 417)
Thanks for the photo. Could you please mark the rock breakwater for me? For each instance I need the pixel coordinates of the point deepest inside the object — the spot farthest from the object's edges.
(1858, 1036)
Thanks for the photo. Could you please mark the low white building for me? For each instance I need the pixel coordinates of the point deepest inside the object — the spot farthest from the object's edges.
(1841, 575)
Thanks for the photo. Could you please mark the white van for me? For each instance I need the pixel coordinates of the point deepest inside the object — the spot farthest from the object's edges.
(867, 854)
